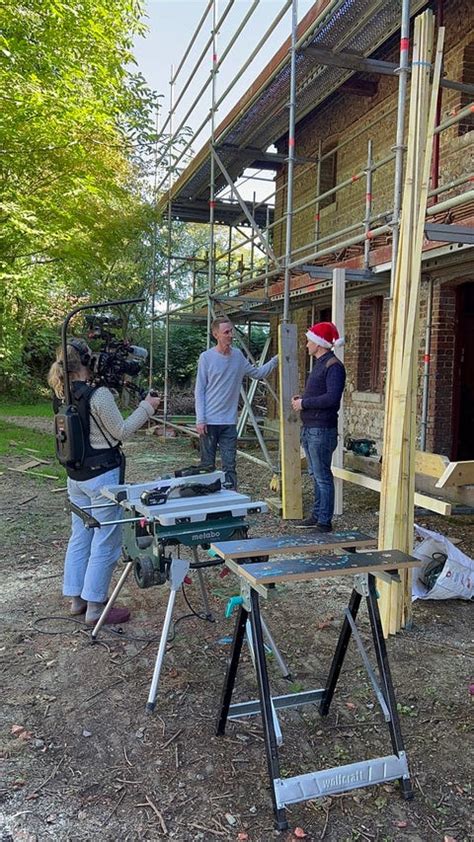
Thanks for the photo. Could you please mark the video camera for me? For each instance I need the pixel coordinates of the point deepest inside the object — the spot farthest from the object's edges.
(117, 358)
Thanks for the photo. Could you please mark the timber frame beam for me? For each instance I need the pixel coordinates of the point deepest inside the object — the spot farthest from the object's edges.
(360, 64)
(262, 158)
(457, 473)
(449, 233)
(441, 507)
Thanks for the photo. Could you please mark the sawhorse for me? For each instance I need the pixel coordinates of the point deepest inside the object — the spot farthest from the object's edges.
(254, 578)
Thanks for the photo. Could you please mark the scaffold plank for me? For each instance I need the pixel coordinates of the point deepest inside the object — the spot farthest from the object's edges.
(292, 498)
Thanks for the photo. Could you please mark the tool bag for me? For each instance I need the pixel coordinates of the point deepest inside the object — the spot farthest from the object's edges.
(445, 572)
(194, 470)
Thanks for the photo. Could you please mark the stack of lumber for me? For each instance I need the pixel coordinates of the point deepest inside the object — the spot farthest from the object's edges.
(439, 483)
(398, 460)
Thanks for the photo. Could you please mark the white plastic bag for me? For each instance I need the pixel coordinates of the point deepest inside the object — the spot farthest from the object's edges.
(456, 580)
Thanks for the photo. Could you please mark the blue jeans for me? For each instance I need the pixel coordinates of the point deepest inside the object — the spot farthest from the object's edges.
(319, 444)
(92, 553)
(224, 435)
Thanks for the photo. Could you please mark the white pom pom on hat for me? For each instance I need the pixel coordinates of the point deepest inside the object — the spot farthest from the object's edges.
(325, 334)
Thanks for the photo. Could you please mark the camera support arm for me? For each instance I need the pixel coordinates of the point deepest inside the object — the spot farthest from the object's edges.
(103, 305)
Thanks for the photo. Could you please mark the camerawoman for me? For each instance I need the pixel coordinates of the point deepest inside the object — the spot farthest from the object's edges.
(89, 433)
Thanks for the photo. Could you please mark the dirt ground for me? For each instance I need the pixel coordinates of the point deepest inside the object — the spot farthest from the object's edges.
(83, 760)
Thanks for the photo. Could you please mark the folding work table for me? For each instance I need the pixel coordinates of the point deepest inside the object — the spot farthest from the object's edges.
(253, 563)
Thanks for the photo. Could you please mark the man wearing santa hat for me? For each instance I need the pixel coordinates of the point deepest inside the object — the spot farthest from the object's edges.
(319, 406)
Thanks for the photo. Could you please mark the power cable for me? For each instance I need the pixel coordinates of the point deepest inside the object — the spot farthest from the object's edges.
(119, 631)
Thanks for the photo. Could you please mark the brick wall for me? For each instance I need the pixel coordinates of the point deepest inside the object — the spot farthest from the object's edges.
(364, 410)
(363, 413)
(443, 332)
(346, 117)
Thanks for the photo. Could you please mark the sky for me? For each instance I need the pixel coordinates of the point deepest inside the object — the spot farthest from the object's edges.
(171, 25)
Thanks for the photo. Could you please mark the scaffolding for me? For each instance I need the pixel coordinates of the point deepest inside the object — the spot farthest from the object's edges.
(335, 40)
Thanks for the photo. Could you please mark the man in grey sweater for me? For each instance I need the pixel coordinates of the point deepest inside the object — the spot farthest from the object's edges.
(220, 373)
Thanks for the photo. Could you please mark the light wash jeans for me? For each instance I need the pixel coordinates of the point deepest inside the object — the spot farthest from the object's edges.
(319, 444)
(224, 435)
(92, 553)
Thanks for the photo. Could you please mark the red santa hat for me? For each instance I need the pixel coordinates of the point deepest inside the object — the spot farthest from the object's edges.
(324, 334)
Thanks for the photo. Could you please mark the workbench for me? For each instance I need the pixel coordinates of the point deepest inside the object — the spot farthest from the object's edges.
(262, 563)
(150, 530)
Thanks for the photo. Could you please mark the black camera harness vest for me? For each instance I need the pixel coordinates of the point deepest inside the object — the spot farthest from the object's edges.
(95, 461)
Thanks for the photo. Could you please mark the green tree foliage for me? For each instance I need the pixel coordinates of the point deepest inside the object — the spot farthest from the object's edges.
(72, 211)
(185, 344)
(77, 133)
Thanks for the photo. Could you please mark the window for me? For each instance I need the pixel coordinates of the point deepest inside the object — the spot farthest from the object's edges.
(467, 77)
(313, 317)
(328, 178)
(370, 344)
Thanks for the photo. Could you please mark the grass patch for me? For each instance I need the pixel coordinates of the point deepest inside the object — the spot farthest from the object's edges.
(36, 410)
(20, 441)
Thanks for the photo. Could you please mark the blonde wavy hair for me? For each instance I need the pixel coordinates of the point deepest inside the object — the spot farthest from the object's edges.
(74, 366)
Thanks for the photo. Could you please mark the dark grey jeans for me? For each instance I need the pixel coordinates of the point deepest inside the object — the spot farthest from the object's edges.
(224, 436)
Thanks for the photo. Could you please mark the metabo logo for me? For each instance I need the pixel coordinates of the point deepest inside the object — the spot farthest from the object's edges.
(205, 536)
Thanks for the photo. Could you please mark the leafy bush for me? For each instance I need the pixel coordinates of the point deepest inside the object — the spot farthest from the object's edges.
(186, 342)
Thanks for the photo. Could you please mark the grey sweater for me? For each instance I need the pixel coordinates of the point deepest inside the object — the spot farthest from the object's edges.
(218, 382)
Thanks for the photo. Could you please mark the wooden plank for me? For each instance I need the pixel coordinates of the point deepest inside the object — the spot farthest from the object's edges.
(33, 463)
(291, 486)
(289, 544)
(33, 473)
(398, 467)
(441, 507)
(337, 315)
(430, 464)
(426, 464)
(358, 479)
(460, 495)
(274, 503)
(306, 569)
(457, 473)
(408, 267)
(36, 458)
(370, 466)
(457, 495)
